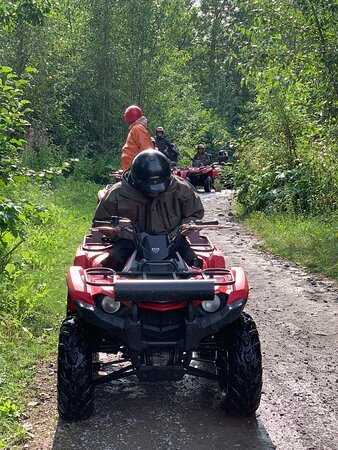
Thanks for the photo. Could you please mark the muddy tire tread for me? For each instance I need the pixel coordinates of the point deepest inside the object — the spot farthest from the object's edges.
(75, 372)
(244, 371)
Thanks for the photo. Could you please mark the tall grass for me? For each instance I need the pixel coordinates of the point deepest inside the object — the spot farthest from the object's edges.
(33, 294)
(309, 241)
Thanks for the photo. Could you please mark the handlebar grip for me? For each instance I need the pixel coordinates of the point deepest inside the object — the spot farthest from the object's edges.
(207, 222)
(100, 223)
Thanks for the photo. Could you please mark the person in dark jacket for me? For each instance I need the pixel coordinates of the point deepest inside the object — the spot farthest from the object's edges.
(173, 155)
(223, 156)
(164, 145)
(155, 200)
(201, 157)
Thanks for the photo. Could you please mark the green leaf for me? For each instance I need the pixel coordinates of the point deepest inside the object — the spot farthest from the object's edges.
(10, 268)
(4, 69)
(31, 70)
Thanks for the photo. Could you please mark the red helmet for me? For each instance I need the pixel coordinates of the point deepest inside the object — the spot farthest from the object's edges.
(132, 113)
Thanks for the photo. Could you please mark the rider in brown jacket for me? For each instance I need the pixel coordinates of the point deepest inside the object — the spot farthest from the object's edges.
(154, 199)
(201, 156)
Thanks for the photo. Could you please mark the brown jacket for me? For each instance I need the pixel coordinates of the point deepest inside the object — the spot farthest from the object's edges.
(203, 157)
(138, 139)
(179, 204)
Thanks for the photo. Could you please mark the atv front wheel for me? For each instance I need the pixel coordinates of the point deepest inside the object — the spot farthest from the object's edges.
(208, 184)
(240, 368)
(75, 372)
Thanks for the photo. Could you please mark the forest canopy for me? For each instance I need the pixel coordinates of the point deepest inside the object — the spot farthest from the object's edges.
(256, 77)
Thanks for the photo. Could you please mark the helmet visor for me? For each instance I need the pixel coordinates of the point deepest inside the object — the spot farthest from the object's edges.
(155, 186)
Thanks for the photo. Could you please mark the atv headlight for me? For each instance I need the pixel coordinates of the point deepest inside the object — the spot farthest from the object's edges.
(211, 305)
(109, 305)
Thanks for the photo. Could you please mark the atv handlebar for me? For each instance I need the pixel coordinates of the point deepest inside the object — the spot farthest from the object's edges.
(118, 226)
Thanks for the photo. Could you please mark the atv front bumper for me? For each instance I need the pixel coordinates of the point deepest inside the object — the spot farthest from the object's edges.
(139, 336)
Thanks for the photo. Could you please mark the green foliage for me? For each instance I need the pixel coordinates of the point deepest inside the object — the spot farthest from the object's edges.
(181, 109)
(31, 11)
(9, 416)
(14, 216)
(310, 241)
(33, 292)
(288, 150)
(12, 122)
(296, 190)
(226, 177)
(97, 169)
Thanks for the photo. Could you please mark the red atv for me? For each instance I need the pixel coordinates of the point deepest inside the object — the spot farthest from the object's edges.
(200, 175)
(156, 319)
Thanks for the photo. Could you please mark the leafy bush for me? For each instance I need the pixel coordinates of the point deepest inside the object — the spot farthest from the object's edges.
(96, 169)
(301, 189)
(15, 215)
(40, 152)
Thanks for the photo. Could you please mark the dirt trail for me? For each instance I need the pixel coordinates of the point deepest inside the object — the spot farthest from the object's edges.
(296, 315)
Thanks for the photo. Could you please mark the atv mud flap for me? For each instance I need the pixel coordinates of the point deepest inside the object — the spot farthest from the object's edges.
(130, 331)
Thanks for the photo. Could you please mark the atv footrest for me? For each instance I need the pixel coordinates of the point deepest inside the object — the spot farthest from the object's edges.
(124, 372)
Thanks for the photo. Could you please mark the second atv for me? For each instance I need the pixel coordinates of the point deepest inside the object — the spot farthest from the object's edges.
(200, 175)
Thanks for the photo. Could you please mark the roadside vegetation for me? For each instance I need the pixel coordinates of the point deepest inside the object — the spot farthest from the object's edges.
(255, 77)
(33, 293)
(310, 241)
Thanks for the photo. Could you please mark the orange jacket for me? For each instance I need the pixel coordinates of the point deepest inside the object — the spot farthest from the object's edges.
(138, 139)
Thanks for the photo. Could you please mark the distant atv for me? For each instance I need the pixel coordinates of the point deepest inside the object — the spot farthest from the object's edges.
(200, 175)
(159, 317)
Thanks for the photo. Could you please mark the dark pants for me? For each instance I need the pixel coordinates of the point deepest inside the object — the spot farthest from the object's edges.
(123, 248)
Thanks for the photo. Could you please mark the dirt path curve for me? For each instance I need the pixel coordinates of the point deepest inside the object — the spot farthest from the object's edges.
(296, 315)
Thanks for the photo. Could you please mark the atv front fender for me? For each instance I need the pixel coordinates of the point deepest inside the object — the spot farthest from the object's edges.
(240, 289)
(77, 288)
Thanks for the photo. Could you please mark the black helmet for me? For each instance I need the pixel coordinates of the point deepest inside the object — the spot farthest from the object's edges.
(150, 172)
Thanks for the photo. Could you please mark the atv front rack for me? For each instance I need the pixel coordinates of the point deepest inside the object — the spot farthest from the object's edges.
(143, 287)
(109, 275)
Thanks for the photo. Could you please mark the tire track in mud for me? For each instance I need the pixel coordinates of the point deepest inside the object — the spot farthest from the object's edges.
(296, 315)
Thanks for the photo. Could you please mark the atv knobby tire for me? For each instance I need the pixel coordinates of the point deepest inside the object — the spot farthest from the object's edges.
(208, 184)
(75, 372)
(240, 374)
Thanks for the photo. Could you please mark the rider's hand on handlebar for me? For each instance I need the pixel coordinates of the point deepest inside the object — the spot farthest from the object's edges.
(187, 227)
